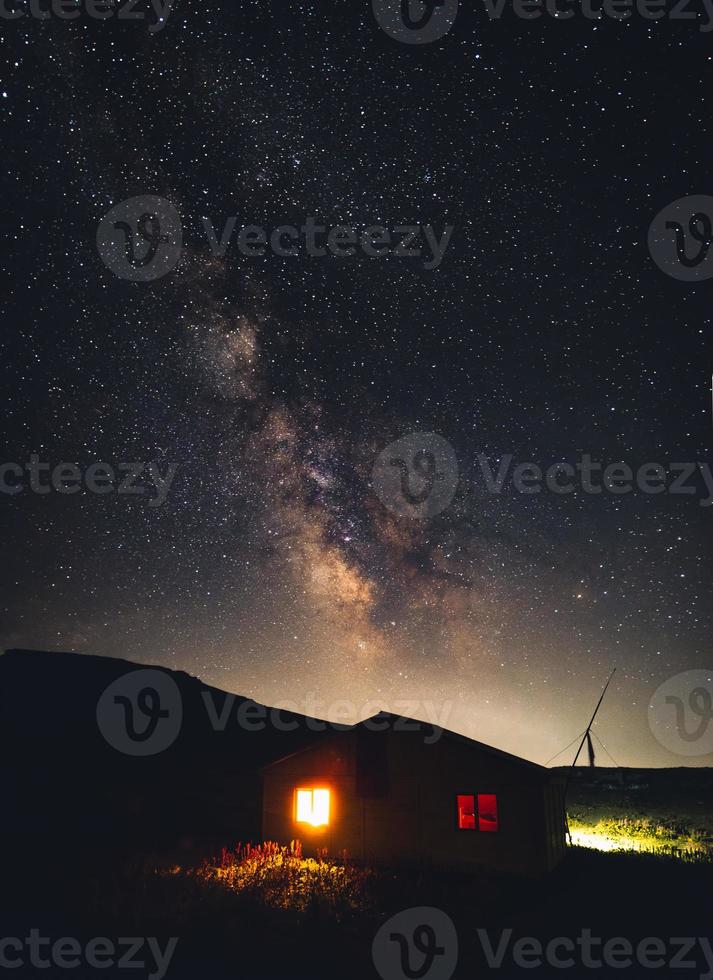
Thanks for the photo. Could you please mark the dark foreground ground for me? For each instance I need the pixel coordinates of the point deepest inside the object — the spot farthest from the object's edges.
(224, 934)
(81, 826)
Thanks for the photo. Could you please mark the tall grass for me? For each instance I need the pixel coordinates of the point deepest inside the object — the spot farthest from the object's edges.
(643, 834)
(283, 878)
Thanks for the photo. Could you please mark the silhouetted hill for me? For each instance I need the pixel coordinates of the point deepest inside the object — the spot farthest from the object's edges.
(64, 784)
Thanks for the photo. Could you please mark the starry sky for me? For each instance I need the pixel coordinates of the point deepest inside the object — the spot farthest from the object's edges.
(273, 383)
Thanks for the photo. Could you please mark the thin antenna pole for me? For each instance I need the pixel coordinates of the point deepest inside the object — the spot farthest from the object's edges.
(581, 746)
(599, 702)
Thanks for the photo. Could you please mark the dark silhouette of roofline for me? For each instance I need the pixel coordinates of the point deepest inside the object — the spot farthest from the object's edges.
(392, 718)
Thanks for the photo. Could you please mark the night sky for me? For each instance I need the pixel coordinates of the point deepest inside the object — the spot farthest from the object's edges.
(272, 383)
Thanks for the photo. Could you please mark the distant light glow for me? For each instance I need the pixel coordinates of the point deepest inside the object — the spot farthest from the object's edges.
(602, 842)
(313, 807)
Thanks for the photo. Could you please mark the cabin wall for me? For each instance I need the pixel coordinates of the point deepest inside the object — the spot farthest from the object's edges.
(415, 821)
(332, 766)
(555, 821)
(425, 780)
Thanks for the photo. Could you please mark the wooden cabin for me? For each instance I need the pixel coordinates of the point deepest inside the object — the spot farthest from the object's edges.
(389, 791)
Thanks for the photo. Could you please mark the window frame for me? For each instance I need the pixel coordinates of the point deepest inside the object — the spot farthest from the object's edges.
(497, 813)
(466, 830)
(302, 788)
(476, 829)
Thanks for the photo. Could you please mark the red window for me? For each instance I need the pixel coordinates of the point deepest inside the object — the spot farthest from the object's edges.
(487, 812)
(466, 812)
(484, 818)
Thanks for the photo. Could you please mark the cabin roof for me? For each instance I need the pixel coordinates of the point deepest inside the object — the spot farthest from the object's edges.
(393, 719)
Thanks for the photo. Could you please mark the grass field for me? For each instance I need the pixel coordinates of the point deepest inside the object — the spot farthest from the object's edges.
(270, 911)
(667, 812)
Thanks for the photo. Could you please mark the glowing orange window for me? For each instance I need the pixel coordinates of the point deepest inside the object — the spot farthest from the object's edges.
(487, 813)
(312, 806)
(466, 812)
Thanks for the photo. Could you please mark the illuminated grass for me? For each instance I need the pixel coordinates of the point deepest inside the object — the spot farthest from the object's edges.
(644, 835)
(282, 878)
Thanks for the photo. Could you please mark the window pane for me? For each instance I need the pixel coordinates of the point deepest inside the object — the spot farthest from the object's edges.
(487, 812)
(466, 812)
(312, 806)
(304, 805)
(320, 807)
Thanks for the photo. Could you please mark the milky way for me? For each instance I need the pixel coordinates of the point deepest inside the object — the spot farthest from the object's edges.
(273, 568)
